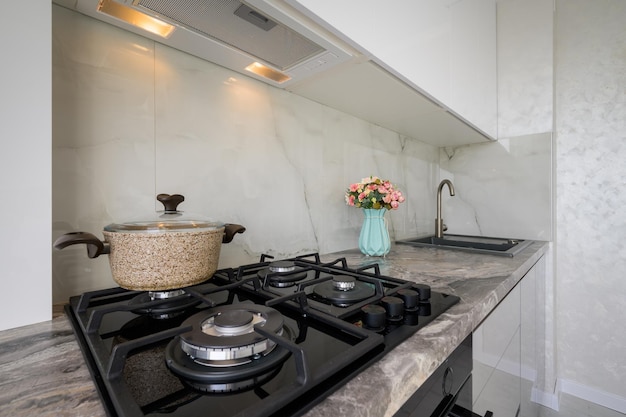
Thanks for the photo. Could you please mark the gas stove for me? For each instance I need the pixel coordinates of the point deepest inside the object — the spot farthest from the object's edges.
(266, 339)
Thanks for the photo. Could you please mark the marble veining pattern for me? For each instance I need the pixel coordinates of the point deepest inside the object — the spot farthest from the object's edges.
(51, 378)
(42, 372)
(133, 118)
(503, 189)
(399, 373)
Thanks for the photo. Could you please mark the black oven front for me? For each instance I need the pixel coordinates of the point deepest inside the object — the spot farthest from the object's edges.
(448, 391)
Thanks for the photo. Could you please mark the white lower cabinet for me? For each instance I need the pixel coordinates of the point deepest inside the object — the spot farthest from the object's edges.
(532, 335)
(504, 352)
(496, 356)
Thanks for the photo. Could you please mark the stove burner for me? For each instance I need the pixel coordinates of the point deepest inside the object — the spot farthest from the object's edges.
(226, 333)
(168, 309)
(344, 282)
(162, 295)
(282, 266)
(225, 379)
(281, 274)
(223, 353)
(344, 290)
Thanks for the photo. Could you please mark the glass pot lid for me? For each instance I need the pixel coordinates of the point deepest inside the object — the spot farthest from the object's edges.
(169, 220)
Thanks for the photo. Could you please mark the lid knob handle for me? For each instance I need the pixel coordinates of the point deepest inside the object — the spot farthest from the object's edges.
(170, 202)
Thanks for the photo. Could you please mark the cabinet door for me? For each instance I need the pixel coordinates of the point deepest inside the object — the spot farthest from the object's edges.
(532, 316)
(496, 353)
(447, 49)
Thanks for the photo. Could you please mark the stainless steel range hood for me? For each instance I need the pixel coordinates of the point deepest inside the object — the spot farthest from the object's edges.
(250, 37)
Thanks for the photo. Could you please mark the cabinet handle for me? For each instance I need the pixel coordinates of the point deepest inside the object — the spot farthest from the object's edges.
(446, 387)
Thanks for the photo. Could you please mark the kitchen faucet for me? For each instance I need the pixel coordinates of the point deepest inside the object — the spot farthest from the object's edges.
(439, 226)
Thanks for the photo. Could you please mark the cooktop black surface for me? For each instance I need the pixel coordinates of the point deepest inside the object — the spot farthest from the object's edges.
(267, 339)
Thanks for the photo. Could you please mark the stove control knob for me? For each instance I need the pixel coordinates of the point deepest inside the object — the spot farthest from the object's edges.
(394, 307)
(424, 291)
(410, 298)
(425, 309)
(374, 317)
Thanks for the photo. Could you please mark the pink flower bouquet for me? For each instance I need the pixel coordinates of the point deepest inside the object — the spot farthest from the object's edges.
(374, 193)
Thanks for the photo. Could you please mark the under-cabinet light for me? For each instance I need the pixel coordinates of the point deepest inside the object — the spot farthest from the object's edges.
(267, 72)
(136, 18)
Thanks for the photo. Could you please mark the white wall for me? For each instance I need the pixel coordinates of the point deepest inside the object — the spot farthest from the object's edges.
(25, 163)
(591, 179)
(525, 67)
(585, 342)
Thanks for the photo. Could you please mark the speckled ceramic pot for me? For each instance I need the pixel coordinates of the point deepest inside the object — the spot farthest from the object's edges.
(168, 252)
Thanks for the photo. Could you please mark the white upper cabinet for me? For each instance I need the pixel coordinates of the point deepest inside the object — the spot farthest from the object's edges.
(425, 69)
(446, 50)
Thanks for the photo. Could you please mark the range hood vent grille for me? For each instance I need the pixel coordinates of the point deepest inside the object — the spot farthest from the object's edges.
(279, 46)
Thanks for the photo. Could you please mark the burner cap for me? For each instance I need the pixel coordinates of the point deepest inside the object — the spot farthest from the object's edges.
(343, 282)
(282, 266)
(343, 298)
(226, 333)
(234, 318)
(162, 295)
(172, 304)
(282, 274)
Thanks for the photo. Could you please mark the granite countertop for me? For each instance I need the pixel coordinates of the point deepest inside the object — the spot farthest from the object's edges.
(42, 371)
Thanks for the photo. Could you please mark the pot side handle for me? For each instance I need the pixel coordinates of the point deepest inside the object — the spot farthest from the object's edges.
(95, 247)
(230, 230)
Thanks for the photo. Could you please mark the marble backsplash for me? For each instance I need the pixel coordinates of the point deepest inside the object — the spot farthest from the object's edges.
(132, 118)
(503, 189)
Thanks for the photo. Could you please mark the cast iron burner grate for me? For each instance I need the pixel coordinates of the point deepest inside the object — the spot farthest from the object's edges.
(139, 364)
(320, 285)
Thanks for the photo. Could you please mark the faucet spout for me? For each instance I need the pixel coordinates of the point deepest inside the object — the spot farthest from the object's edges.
(439, 220)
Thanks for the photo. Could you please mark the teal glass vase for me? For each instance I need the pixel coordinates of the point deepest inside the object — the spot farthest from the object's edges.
(374, 237)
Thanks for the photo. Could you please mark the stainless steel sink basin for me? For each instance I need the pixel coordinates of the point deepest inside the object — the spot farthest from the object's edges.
(476, 244)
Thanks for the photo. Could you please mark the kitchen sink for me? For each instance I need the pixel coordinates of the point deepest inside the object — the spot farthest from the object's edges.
(475, 244)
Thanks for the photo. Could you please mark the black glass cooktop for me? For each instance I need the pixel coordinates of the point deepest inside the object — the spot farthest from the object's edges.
(236, 346)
